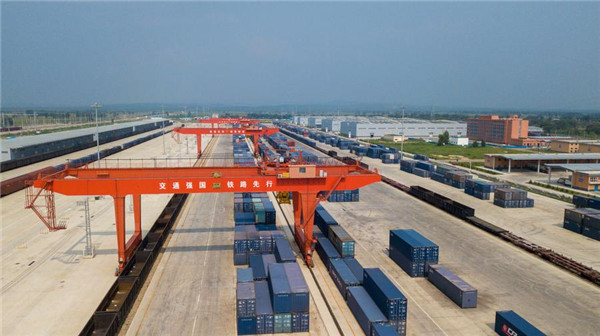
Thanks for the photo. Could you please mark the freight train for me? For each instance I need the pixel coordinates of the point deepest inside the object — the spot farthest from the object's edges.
(17, 183)
(117, 135)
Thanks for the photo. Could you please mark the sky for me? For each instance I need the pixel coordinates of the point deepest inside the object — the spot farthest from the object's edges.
(529, 55)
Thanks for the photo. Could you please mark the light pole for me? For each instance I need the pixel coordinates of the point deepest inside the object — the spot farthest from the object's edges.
(96, 106)
(403, 137)
(163, 128)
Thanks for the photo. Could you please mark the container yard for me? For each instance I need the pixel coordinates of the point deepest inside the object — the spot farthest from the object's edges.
(417, 256)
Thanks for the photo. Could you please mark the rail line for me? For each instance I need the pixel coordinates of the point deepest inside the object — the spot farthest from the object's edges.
(113, 315)
(312, 273)
(559, 260)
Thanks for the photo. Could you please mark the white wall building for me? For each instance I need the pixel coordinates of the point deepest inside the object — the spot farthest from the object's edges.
(411, 129)
(459, 141)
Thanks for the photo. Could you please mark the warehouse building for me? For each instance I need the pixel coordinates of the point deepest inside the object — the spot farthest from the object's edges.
(585, 176)
(314, 122)
(491, 128)
(28, 146)
(331, 124)
(302, 121)
(535, 162)
(409, 128)
(575, 146)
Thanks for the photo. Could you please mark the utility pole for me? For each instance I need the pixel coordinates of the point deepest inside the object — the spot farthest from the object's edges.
(403, 135)
(96, 106)
(162, 108)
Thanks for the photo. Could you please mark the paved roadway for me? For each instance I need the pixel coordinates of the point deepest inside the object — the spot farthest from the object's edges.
(47, 287)
(193, 289)
(507, 277)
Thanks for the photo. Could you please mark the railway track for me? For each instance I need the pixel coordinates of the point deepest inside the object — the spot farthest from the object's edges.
(549, 255)
(312, 273)
(202, 161)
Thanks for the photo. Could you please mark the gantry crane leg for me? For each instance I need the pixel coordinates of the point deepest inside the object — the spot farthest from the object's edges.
(125, 248)
(199, 144)
(304, 204)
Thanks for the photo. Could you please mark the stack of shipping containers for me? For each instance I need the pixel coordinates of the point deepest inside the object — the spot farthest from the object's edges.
(512, 198)
(412, 252)
(585, 219)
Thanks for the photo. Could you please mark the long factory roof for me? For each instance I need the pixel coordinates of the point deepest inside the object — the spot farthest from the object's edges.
(548, 156)
(576, 167)
(49, 137)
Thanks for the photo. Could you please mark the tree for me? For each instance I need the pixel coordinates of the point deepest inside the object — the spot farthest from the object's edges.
(446, 137)
(475, 144)
(440, 140)
(482, 143)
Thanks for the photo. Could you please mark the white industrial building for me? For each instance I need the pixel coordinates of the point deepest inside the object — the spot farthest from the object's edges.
(459, 141)
(302, 121)
(411, 129)
(314, 122)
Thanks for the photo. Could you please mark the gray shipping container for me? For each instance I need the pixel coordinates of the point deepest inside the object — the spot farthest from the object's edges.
(246, 299)
(300, 295)
(244, 275)
(364, 309)
(326, 251)
(356, 268)
(280, 289)
(384, 330)
(342, 241)
(265, 323)
(463, 294)
(342, 276)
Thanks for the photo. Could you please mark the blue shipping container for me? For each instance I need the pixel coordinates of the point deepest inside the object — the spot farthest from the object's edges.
(388, 298)
(326, 251)
(510, 323)
(342, 276)
(455, 288)
(364, 309)
(356, 268)
(264, 310)
(298, 286)
(280, 289)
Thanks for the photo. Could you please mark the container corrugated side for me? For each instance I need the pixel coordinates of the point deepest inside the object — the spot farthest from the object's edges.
(384, 330)
(455, 288)
(280, 289)
(385, 294)
(264, 309)
(356, 268)
(510, 323)
(326, 251)
(283, 251)
(246, 299)
(364, 309)
(298, 286)
(342, 241)
(342, 276)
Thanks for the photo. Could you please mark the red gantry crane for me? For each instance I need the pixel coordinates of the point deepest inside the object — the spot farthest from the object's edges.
(256, 132)
(305, 182)
(232, 121)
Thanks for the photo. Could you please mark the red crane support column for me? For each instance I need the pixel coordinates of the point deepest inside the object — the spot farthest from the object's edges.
(137, 214)
(305, 204)
(120, 224)
(199, 143)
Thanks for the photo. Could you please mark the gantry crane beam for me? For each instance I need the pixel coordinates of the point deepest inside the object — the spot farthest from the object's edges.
(220, 121)
(304, 181)
(254, 131)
